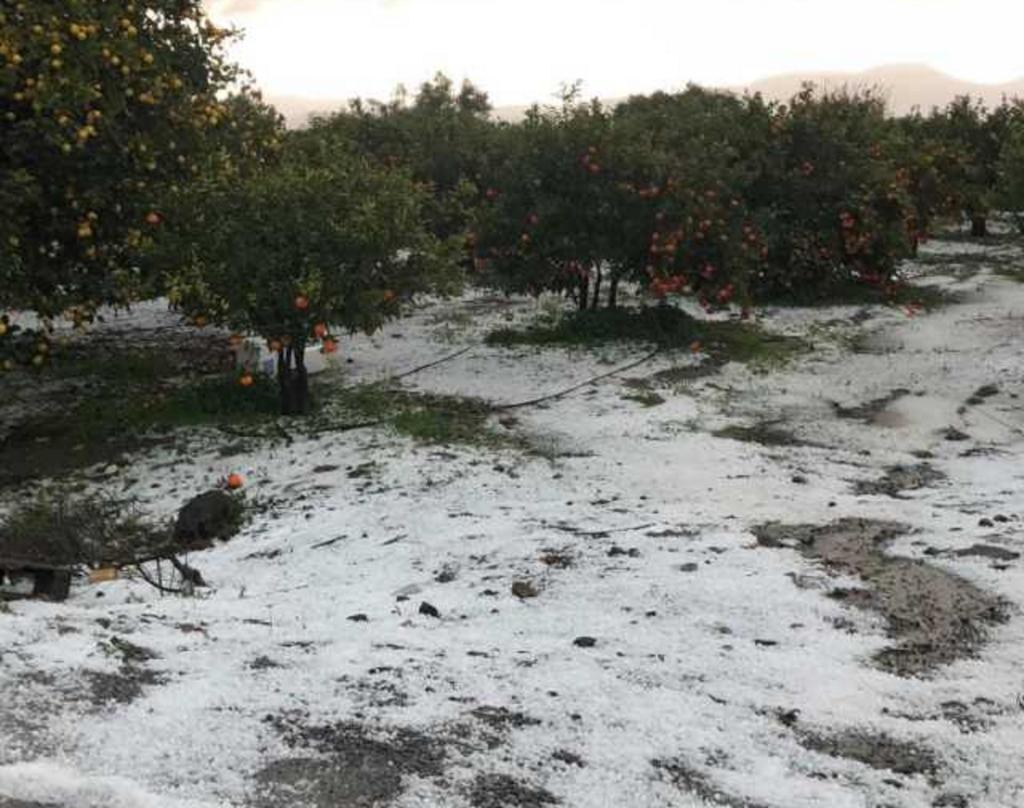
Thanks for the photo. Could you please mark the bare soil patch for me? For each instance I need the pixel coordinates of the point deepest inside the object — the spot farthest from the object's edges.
(935, 617)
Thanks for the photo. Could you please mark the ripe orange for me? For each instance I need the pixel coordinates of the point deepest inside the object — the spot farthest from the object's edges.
(246, 380)
(235, 481)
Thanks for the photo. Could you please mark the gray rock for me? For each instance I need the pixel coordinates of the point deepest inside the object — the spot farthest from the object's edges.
(215, 515)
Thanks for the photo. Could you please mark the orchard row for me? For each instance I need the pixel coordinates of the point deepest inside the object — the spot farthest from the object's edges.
(136, 162)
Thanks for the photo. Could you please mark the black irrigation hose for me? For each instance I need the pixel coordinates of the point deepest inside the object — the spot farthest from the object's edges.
(561, 394)
(499, 407)
(433, 364)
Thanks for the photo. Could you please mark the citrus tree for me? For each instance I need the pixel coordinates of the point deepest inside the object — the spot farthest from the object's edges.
(442, 136)
(546, 220)
(830, 198)
(1011, 172)
(318, 244)
(105, 106)
(588, 196)
(978, 136)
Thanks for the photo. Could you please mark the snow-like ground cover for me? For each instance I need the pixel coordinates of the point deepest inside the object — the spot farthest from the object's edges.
(720, 671)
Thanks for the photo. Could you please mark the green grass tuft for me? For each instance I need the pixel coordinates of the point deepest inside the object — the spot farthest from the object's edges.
(662, 326)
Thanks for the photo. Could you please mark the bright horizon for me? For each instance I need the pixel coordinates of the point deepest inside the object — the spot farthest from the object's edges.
(521, 52)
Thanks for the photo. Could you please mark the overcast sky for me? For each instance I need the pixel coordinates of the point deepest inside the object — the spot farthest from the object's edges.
(520, 51)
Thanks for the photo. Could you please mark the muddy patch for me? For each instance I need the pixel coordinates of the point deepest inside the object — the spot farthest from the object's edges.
(344, 764)
(766, 433)
(122, 687)
(502, 791)
(877, 750)
(898, 479)
(988, 551)
(935, 617)
(977, 715)
(691, 780)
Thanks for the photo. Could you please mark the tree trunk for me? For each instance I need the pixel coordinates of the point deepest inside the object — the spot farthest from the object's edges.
(613, 292)
(584, 295)
(597, 289)
(292, 379)
(979, 226)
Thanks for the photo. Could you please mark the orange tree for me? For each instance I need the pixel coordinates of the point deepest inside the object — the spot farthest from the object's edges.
(104, 105)
(588, 196)
(931, 167)
(443, 137)
(830, 198)
(319, 243)
(1011, 171)
(977, 136)
(547, 216)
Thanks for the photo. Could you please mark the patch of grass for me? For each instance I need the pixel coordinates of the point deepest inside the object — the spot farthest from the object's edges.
(661, 325)
(101, 425)
(130, 368)
(646, 398)
(763, 434)
(664, 326)
(861, 294)
(425, 417)
(1014, 273)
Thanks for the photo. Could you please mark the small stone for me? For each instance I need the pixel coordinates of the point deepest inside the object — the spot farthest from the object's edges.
(986, 522)
(358, 618)
(799, 479)
(569, 758)
(999, 517)
(324, 469)
(954, 434)
(429, 610)
(690, 566)
(986, 391)
(524, 590)
(584, 642)
(632, 552)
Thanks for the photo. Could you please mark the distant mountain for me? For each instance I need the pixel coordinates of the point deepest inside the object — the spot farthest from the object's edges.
(905, 86)
(296, 109)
